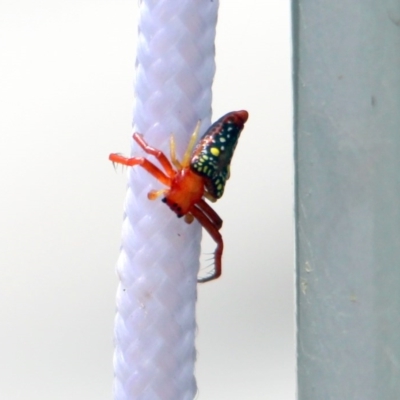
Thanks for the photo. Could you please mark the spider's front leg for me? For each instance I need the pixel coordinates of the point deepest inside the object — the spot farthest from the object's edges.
(213, 229)
(144, 163)
(165, 178)
(158, 154)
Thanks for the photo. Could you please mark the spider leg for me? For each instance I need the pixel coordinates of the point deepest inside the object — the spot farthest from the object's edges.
(212, 229)
(161, 157)
(172, 151)
(211, 214)
(153, 194)
(186, 157)
(144, 163)
(192, 142)
(188, 218)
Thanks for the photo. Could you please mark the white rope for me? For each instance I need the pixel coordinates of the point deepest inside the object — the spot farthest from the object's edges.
(158, 264)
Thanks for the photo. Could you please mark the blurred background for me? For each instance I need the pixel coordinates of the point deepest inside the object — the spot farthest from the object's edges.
(66, 102)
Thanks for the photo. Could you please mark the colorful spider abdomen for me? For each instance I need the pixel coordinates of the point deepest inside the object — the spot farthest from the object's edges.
(213, 154)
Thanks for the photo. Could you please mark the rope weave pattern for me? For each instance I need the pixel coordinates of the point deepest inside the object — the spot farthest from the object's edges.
(158, 264)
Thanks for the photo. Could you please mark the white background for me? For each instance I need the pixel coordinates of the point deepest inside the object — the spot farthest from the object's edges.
(66, 73)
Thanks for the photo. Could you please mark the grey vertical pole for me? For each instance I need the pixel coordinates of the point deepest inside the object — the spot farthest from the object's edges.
(347, 157)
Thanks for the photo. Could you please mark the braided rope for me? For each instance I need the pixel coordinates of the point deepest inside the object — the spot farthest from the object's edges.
(158, 264)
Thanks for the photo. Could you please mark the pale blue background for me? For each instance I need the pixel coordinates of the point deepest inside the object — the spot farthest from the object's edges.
(66, 102)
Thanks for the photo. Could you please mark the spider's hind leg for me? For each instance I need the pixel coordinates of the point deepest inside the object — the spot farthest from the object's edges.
(212, 229)
(211, 214)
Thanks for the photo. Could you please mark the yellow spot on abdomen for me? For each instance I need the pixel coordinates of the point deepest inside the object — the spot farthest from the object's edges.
(214, 151)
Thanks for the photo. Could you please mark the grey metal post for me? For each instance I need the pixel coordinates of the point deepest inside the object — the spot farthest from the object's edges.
(347, 157)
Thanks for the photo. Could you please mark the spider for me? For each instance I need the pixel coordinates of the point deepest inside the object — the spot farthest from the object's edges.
(201, 175)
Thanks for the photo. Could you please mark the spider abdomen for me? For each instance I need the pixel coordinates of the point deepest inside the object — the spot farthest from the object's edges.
(213, 154)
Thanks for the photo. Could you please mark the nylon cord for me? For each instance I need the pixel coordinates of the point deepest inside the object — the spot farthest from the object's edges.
(159, 258)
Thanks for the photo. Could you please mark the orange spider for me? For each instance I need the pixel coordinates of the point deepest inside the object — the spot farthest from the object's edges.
(202, 173)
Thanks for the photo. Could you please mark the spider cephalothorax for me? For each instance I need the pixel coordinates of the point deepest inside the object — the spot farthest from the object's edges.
(202, 173)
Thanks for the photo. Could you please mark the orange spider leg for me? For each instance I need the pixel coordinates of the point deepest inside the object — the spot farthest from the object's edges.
(153, 194)
(188, 218)
(144, 163)
(211, 214)
(162, 159)
(212, 229)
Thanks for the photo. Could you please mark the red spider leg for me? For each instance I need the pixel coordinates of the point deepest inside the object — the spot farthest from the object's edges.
(211, 214)
(144, 163)
(212, 229)
(161, 157)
